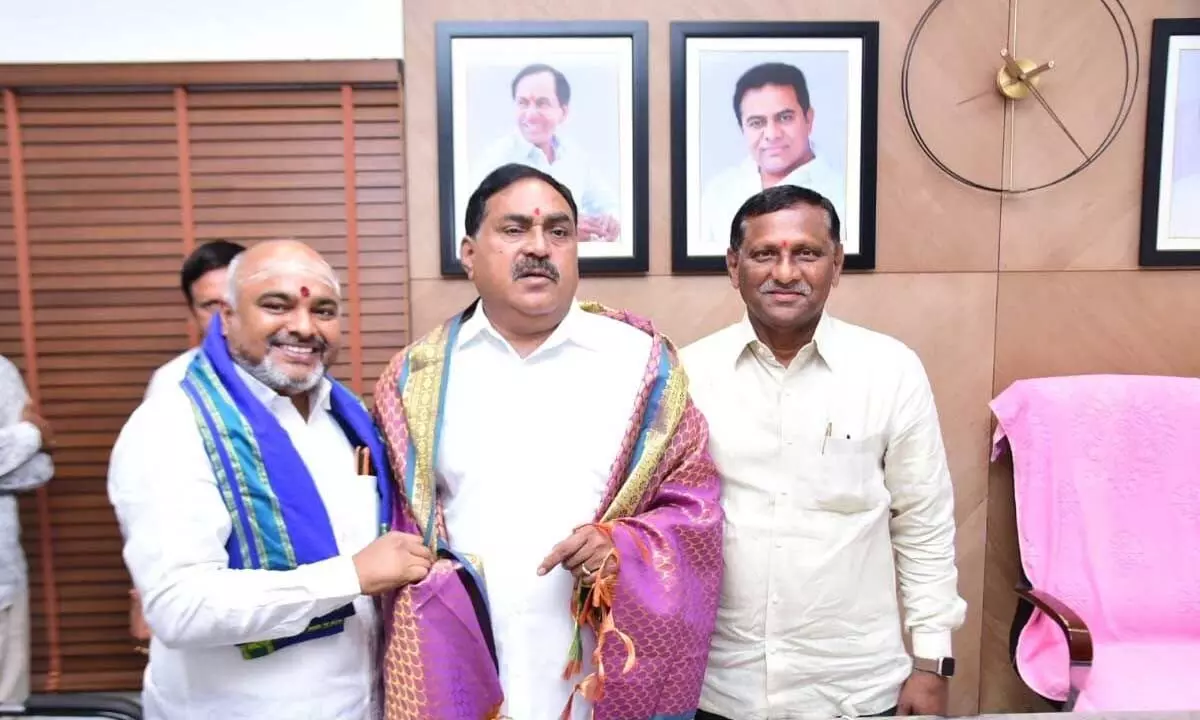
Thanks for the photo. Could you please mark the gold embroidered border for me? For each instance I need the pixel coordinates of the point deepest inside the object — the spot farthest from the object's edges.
(422, 395)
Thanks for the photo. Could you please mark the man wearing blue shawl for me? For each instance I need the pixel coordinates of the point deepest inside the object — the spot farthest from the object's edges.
(253, 499)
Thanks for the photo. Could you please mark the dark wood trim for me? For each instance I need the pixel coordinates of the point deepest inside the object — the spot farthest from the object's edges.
(1079, 638)
(350, 164)
(20, 220)
(333, 72)
(186, 204)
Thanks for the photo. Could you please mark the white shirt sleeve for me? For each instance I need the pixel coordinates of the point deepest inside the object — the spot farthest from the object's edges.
(922, 524)
(19, 440)
(175, 526)
(35, 472)
(18, 444)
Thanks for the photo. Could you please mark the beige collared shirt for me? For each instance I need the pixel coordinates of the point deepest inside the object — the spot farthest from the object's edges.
(831, 467)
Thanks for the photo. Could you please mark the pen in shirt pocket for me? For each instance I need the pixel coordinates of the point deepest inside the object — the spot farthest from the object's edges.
(362, 460)
(829, 434)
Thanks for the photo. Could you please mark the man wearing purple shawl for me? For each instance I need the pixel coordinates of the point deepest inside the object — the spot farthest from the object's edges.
(550, 447)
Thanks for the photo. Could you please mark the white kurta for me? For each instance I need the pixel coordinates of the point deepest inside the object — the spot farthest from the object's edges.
(175, 526)
(834, 479)
(527, 448)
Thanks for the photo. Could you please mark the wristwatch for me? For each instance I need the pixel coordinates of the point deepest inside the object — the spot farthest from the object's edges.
(940, 666)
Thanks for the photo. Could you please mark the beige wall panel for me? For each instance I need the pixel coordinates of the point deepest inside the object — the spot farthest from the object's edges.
(925, 220)
(1092, 221)
(1097, 322)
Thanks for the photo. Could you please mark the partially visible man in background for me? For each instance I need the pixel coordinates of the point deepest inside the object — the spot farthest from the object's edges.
(202, 280)
(542, 99)
(775, 115)
(25, 439)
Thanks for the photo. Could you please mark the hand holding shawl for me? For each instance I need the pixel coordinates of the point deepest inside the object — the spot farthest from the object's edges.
(654, 619)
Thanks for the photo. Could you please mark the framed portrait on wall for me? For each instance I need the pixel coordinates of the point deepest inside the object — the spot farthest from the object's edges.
(755, 105)
(1171, 181)
(567, 98)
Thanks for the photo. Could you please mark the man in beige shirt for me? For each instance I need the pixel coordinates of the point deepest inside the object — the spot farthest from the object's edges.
(834, 484)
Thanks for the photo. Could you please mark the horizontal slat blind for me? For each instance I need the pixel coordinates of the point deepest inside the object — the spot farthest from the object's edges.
(383, 273)
(119, 184)
(273, 165)
(105, 313)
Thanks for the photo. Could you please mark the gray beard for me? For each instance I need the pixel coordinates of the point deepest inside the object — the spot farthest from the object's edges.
(266, 373)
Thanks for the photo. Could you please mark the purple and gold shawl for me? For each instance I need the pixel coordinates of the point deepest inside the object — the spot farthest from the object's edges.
(661, 509)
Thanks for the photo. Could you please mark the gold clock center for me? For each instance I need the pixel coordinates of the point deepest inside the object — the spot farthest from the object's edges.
(1011, 86)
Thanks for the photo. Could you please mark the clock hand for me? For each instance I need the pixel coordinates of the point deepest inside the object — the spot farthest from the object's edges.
(1015, 71)
(1009, 83)
(1048, 65)
(1037, 94)
(1011, 65)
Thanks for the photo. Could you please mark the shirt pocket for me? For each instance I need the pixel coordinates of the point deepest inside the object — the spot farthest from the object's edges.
(851, 474)
(361, 504)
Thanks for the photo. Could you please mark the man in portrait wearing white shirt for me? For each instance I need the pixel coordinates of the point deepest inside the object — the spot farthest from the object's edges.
(202, 280)
(775, 116)
(253, 500)
(832, 462)
(552, 447)
(542, 98)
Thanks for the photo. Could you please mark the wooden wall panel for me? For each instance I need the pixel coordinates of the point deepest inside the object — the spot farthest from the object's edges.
(1092, 222)
(120, 184)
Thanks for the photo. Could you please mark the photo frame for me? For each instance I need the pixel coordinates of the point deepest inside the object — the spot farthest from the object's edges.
(569, 98)
(1170, 232)
(814, 89)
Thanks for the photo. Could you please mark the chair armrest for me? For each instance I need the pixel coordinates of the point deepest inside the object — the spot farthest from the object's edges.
(1079, 638)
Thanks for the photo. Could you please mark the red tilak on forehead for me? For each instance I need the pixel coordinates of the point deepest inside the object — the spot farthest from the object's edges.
(303, 291)
(537, 211)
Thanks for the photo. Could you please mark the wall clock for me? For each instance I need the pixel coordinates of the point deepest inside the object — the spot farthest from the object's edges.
(1057, 77)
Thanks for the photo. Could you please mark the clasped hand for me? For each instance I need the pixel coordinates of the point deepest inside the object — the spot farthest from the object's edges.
(393, 560)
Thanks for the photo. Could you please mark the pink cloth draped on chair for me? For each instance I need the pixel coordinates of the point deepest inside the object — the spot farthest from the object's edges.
(1107, 484)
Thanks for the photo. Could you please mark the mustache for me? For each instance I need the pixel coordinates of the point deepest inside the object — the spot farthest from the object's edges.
(528, 266)
(315, 342)
(799, 287)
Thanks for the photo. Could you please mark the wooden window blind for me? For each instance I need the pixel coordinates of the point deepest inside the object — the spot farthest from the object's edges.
(109, 176)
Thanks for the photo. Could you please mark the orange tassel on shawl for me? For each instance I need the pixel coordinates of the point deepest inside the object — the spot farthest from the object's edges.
(592, 607)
